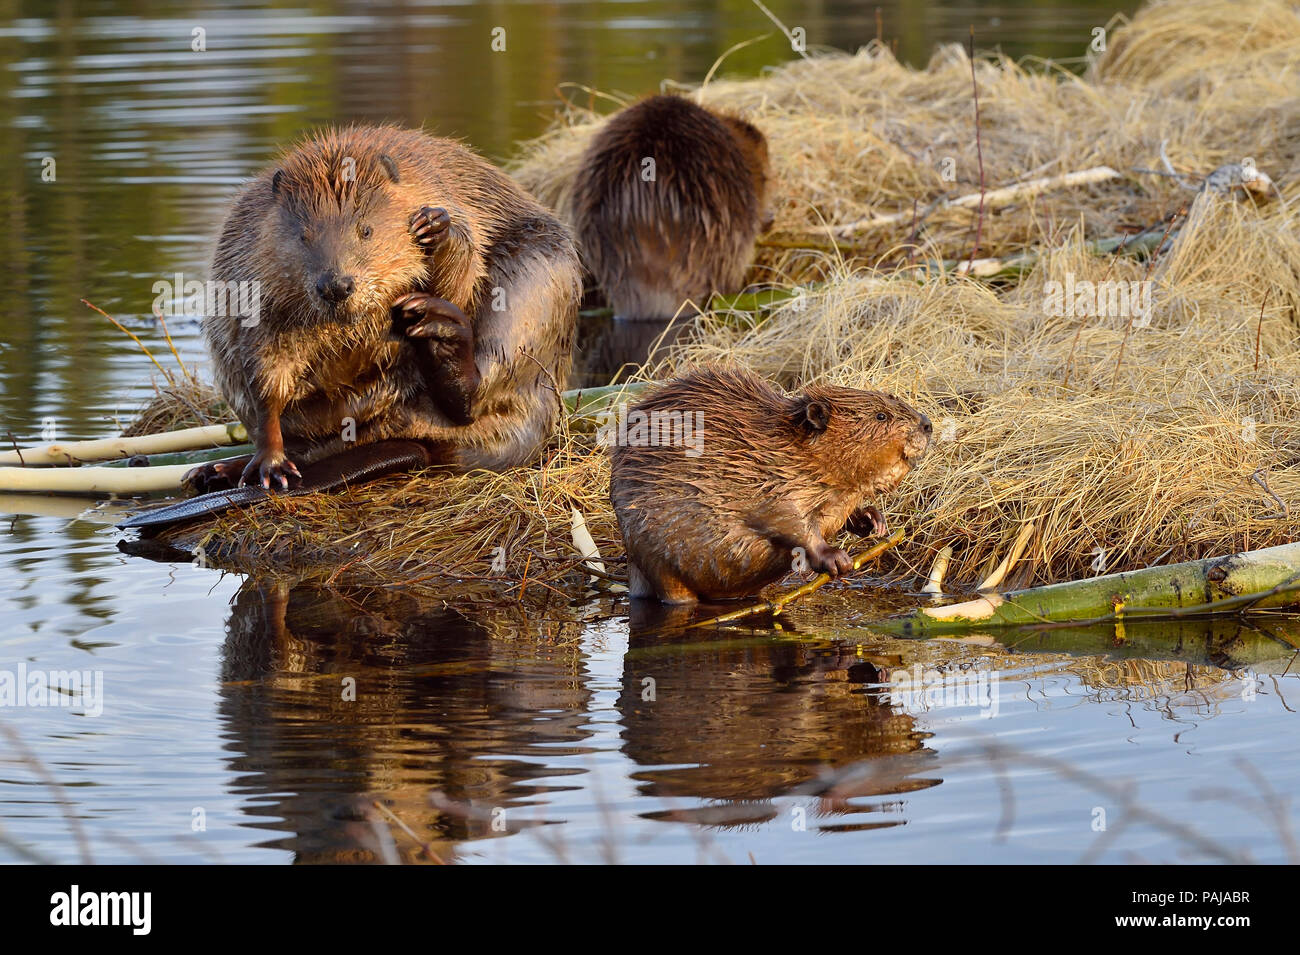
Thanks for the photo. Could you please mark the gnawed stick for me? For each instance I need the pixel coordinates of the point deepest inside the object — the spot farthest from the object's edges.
(1017, 548)
(997, 197)
(93, 480)
(107, 449)
(778, 603)
(935, 584)
(584, 544)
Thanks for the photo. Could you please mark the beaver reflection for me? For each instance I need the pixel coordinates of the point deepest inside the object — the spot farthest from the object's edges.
(442, 703)
(741, 725)
(607, 346)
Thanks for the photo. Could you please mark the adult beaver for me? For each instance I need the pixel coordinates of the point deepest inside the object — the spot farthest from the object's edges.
(668, 203)
(719, 477)
(416, 307)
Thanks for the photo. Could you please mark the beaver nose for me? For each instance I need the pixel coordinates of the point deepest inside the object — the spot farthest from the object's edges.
(334, 288)
(926, 426)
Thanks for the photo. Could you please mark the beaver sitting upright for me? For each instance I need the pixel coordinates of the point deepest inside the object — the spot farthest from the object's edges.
(408, 290)
(720, 477)
(668, 203)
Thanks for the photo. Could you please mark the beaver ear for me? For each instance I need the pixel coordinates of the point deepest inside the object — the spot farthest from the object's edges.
(815, 416)
(275, 182)
(390, 167)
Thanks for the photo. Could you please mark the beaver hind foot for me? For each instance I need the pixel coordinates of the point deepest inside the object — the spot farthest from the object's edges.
(220, 475)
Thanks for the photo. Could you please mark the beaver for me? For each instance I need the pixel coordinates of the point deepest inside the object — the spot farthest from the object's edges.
(668, 203)
(721, 477)
(409, 292)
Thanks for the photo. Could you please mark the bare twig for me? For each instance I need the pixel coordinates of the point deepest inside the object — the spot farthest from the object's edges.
(777, 604)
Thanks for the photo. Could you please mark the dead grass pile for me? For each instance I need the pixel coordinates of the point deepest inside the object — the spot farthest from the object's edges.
(183, 401)
(512, 528)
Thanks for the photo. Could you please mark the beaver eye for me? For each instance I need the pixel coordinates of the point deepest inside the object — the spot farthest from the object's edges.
(366, 231)
(305, 238)
(881, 416)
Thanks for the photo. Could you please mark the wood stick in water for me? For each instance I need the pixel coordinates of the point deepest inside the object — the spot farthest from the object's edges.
(778, 603)
(93, 480)
(64, 453)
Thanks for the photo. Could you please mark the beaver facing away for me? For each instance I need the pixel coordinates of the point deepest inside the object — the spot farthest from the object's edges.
(408, 290)
(721, 477)
(668, 203)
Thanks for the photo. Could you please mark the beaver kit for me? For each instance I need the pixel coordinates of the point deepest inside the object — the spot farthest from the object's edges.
(669, 202)
(728, 481)
(416, 307)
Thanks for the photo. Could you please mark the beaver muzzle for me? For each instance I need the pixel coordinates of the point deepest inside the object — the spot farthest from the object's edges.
(335, 288)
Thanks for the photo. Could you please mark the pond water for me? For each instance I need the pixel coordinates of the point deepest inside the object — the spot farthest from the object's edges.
(222, 728)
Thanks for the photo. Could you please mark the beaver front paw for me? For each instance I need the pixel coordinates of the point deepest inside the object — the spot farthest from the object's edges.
(447, 360)
(272, 470)
(420, 315)
(430, 227)
(867, 521)
(831, 561)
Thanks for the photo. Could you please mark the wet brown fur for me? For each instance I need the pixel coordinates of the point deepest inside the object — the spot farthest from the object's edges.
(313, 365)
(654, 245)
(768, 479)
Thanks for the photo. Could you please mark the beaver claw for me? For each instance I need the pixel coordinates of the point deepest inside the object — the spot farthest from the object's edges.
(832, 561)
(430, 226)
(272, 470)
(867, 521)
(419, 315)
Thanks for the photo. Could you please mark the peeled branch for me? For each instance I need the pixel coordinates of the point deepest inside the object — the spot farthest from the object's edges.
(585, 545)
(935, 584)
(93, 480)
(107, 449)
(1250, 580)
(991, 199)
(1000, 572)
(778, 603)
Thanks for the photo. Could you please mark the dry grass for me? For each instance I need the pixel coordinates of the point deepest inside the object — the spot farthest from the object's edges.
(413, 530)
(1128, 441)
(183, 402)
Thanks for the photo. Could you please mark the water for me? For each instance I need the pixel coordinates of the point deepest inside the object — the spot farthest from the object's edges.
(495, 733)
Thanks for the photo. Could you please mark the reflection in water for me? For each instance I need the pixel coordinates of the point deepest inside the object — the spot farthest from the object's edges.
(326, 701)
(740, 726)
(475, 722)
(476, 708)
